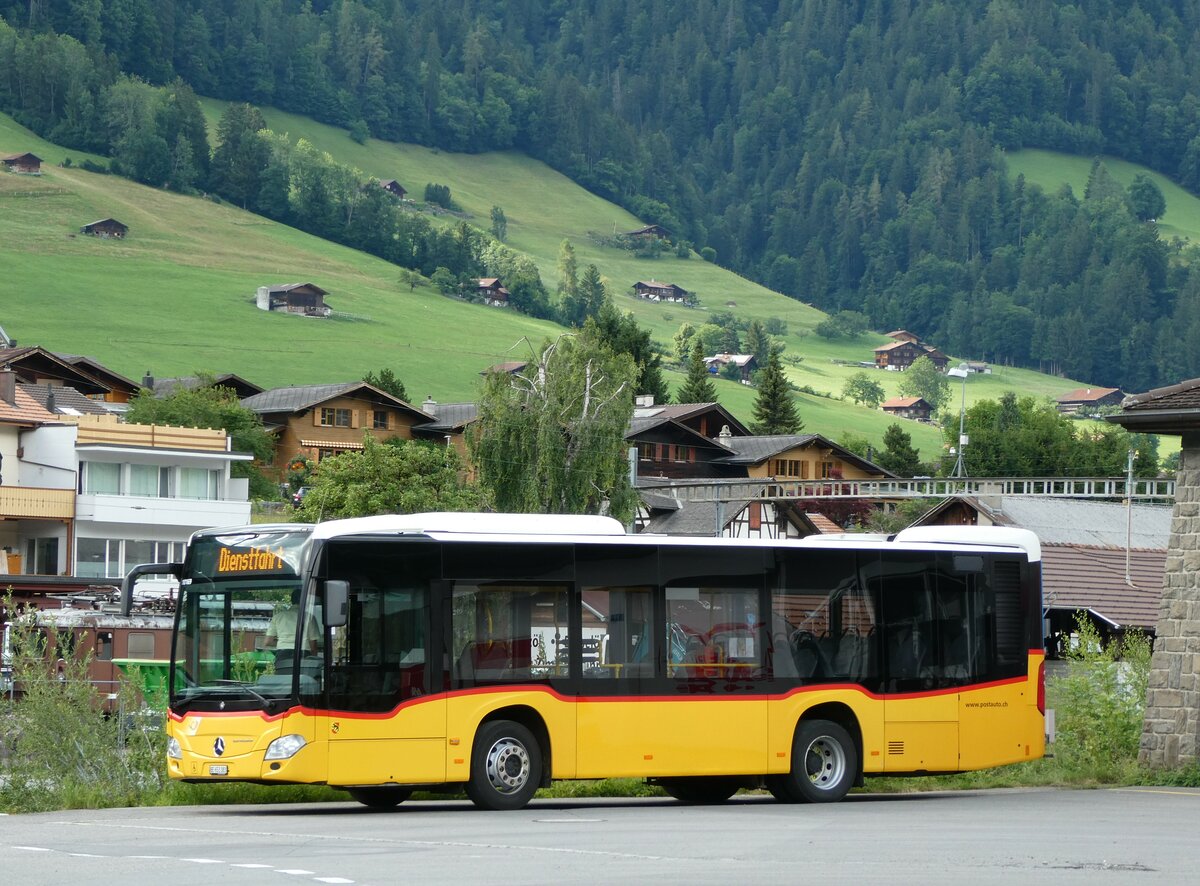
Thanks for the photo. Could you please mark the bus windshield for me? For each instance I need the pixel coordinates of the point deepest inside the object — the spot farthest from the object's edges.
(239, 617)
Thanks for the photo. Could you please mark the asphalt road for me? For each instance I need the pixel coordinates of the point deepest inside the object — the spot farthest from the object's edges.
(1129, 835)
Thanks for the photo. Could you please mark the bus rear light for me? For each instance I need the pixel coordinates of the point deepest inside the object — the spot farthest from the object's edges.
(1041, 689)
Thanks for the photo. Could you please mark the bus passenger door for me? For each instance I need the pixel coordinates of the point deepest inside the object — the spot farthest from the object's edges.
(387, 708)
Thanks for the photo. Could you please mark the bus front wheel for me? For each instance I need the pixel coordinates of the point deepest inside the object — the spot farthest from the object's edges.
(506, 766)
(824, 765)
(381, 797)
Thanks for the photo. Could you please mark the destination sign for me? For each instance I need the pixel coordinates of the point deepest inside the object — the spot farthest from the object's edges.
(232, 560)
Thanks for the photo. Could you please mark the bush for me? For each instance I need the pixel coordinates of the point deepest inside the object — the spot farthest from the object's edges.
(1100, 703)
(359, 132)
(439, 195)
(709, 254)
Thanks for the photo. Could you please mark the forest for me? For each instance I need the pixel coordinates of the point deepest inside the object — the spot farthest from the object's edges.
(849, 153)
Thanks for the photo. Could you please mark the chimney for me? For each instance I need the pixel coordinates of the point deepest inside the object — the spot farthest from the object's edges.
(50, 407)
(430, 405)
(725, 434)
(148, 380)
(8, 386)
(643, 401)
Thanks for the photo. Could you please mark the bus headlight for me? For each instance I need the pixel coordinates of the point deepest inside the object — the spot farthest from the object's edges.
(174, 751)
(285, 747)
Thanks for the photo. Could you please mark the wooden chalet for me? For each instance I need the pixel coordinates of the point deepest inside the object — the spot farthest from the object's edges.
(900, 355)
(797, 457)
(509, 367)
(318, 421)
(23, 164)
(106, 229)
(307, 299)
(649, 232)
(393, 187)
(1087, 400)
(915, 408)
(36, 366)
(746, 364)
(165, 387)
(653, 290)
(492, 291)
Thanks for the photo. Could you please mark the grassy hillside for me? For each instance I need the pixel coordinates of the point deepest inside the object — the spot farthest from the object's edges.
(177, 296)
(1052, 170)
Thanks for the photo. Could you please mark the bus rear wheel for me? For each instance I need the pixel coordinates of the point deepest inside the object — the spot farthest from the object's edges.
(384, 797)
(700, 791)
(506, 766)
(824, 765)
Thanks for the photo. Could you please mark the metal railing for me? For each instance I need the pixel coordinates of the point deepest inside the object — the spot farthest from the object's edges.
(1119, 488)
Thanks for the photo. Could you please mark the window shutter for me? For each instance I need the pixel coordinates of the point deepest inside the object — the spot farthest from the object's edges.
(354, 418)
(316, 413)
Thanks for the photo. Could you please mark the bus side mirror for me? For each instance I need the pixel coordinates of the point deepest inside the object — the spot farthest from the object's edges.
(337, 597)
(131, 577)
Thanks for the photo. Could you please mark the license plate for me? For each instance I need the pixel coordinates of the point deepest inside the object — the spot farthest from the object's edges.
(218, 770)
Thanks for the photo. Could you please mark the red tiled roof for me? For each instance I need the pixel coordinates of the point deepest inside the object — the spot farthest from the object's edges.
(26, 410)
(1086, 395)
(900, 402)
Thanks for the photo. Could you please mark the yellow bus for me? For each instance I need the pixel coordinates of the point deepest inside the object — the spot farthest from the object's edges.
(492, 653)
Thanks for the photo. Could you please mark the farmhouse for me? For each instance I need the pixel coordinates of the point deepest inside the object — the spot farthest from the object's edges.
(746, 364)
(106, 229)
(900, 355)
(1088, 400)
(653, 290)
(393, 187)
(25, 164)
(650, 232)
(317, 421)
(295, 298)
(915, 408)
(492, 291)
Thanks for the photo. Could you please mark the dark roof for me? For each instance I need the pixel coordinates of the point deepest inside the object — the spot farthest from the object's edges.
(288, 287)
(23, 155)
(67, 401)
(683, 411)
(1076, 577)
(90, 364)
(102, 221)
(512, 367)
(755, 450)
(1169, 410)
(449, 417)
(164, 387)
(29, 362)
(299, 398)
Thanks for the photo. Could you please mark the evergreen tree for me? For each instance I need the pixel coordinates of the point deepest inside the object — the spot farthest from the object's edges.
(698, 386)
(898, 455)
(775, 406)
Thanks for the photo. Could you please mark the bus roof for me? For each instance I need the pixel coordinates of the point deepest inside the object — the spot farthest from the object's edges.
(569, 527)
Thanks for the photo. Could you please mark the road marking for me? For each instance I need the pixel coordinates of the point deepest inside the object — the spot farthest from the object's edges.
(203, 860)
(296, 871)
(332, 880)
(32, 848)
(250, 865)
(1181, 793)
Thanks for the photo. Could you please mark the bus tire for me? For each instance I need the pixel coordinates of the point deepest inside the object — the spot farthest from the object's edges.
(700, 791)
(383, 797)
(824, 765)
(506, 766)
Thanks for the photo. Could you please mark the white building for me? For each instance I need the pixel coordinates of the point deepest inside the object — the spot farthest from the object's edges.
(91, 496)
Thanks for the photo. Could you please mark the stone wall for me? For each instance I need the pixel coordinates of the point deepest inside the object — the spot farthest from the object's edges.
(1171, 733)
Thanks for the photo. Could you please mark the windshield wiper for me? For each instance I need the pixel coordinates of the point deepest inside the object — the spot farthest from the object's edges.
(240, 685)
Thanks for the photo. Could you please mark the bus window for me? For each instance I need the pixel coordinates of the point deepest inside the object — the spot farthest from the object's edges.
(713, 633)
(823, 621)
(618, 635)
(508, 632)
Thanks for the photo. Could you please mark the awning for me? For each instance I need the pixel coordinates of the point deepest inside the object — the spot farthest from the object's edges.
(329, 444)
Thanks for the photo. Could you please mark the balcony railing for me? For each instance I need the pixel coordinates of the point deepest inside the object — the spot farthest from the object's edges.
(37, 501)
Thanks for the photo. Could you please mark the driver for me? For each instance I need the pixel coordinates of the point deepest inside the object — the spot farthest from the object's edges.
(281, 632)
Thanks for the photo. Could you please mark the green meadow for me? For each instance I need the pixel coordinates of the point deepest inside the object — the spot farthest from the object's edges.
(176, 297)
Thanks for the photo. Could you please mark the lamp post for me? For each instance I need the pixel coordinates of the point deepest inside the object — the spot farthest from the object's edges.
(960, 467)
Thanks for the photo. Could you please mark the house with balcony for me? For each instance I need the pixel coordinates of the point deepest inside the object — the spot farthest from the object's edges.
(95, 496)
